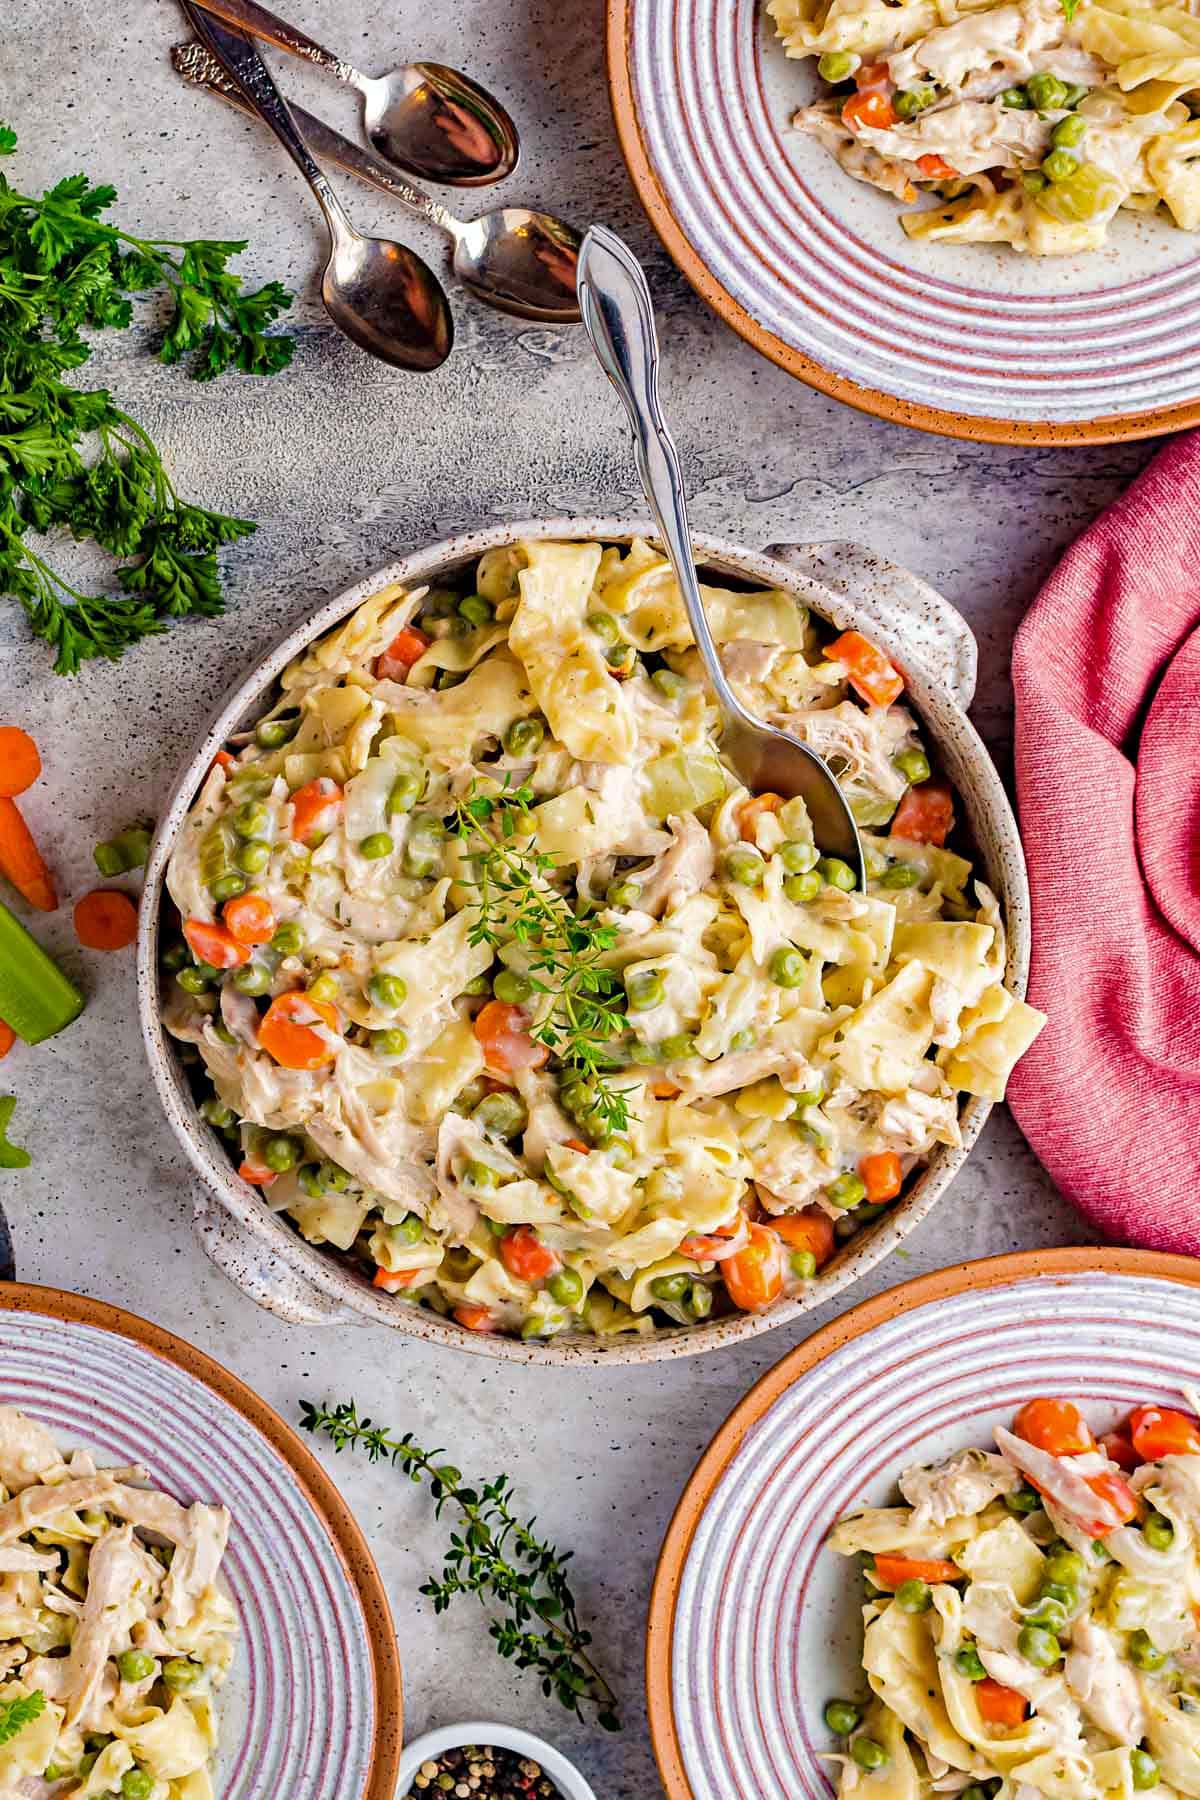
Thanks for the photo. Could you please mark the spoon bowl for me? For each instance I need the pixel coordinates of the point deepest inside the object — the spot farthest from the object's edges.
(521, 262)
(439, 124)
(387, 301)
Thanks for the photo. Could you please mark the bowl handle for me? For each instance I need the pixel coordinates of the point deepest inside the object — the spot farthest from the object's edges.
(920, 623)
(252, 1263)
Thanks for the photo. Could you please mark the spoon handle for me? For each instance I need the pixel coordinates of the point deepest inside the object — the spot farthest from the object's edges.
(240, 60)
(618, 316)
(271, 29)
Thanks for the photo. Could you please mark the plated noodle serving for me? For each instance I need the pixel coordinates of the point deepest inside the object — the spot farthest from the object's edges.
(113, 1632)
(1031, 1617)
(499, 982)
(1030, 122)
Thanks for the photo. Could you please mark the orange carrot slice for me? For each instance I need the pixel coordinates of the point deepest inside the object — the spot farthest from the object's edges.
(20, 764)
(105, 920)
(21, 860)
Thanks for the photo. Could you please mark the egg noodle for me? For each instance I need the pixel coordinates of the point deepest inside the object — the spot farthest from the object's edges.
(506, 987)
(1032, 122)
(113, 1633)
(1031, 1618)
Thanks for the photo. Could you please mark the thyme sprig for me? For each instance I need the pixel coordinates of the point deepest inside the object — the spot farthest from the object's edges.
(497, 1557)
(515, 898)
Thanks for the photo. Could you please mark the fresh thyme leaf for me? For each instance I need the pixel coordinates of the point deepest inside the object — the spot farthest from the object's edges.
(16, 1714)
(497, 1557)
(8, 140)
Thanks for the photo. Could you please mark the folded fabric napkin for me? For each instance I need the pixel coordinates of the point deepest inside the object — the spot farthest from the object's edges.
(1106, 670)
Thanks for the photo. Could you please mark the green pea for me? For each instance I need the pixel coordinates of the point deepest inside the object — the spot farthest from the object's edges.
(669, 684)
(136, 1665)
(422, 854)
(624, 893)
(392, 1042)
(975, 1790)
(788, 967)
(227, 887)
(621, 658)
(252, 858)
(1016, 97)
(837, 65)
(251, 819)
(1046, 91)
(511, 987)
(900, 875)
(478, 986)
(1158, 1531)
(252, 978)
(914, 765)
(1069, 131)
(310, 1180)
(524, 736)
(475, 609)
(175, 957)
(1039, 1646)
(1023, 1500)
(677, 1047)
(376, 844)
(1033, 181)
(192, 981)
(644, 988)
(1065, 1565)
(837, 873)
(332, 1176)
(803, 1264)
(501, 1114)
(744, 865)
(1049, 1613)
(137, 1784)
(565, 1287)
(604, 626)
(388, 991)
(217, 1113)
(288, 939)
(914, 1596)
(911, 101)
(968, 1663)
(480, 1175)
(272, 733)
(179, 1674)
(642, 1054)
(699, 1301)
(405, 792)
(325, 987)
(797, 857)
(281, 1153)
(868, 1754)
(1059, 165)
(88, 1762)
(1143, 1769)
(849, 1190)
(670, 1287)
(410, 1230)
(843, 1717)
(577, 1097)
(744, 1039)
(1076, 91)
(1144, 1653)
(802, 888)
(1064, 1592)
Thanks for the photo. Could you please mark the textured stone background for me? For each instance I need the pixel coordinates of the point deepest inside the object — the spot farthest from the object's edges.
(344, 463)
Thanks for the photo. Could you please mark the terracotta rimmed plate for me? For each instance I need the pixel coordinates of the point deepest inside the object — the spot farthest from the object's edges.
(312, 1707)
(753, 1624)
(813, 269)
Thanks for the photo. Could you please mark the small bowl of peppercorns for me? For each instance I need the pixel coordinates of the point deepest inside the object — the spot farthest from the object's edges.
(487, 1762)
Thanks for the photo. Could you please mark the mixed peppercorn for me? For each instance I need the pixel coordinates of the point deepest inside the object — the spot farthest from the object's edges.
(482, 1771)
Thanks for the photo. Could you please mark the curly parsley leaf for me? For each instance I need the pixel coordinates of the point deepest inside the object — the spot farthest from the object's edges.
(16, 1714)
(8, 140)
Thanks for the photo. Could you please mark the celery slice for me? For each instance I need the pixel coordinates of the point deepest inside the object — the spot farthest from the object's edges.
(36, 998)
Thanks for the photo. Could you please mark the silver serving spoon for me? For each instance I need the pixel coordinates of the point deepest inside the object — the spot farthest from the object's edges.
(520, 261)
(424, 117)
(618, 316)
(381, 294)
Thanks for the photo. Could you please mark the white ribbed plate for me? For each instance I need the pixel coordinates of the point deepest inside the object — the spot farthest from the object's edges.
(814, 268)
(299, 1711)
(766, 1623)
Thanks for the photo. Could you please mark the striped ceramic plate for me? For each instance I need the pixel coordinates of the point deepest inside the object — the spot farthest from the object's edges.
(813, 268)
(312, 1706)
(753, 1626)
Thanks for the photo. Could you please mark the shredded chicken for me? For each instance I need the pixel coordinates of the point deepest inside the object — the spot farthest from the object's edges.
(1105, 1686)
(958, 1488)
(685, 869)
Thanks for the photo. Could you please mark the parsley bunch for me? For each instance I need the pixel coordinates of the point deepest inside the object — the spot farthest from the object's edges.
(70, 457)
(496, 1557)
(16, 1714)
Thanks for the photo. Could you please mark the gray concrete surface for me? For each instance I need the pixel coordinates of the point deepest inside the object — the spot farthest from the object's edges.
(343, 463)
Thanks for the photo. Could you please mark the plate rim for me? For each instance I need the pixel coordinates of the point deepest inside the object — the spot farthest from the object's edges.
(939, 1284)
(343, 1530)
(1107, 428)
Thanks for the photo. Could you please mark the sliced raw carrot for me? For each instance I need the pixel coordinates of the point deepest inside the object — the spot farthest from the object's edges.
(406, 648)
(8, 1037)
(256, 1173)
(20, 764)
(476, 1318)
(21, 860)
(811, 1229)
(105, 920)
(502, 1031)
(882, 1175)
(890, 1571)
(749, 812)
(211, 943)
(286, 1031)
(869, 671)
(392, 1281)
(1056, 1426)
(525, 1255)
(315, 807)
(936, 168)
(999, 1705)
(249, 919)
(926, 813)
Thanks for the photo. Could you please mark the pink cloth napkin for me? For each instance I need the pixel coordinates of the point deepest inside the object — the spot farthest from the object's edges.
(1106, 669)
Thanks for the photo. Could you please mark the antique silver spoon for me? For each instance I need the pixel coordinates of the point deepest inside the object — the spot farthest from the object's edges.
(618, 316)
(379, 293)
(519, 261)
(424, 117)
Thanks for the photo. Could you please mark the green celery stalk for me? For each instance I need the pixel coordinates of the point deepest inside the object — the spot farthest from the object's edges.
(36, 998)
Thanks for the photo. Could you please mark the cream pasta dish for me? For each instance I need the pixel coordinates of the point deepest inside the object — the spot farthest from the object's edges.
(1028, 122)
(497, 980)
(113, 1632)
(1031, 1617)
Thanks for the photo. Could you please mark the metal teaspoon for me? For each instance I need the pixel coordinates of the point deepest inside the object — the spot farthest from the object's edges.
(381, 294)
(618, 316)
(424, 117)
(519, 261)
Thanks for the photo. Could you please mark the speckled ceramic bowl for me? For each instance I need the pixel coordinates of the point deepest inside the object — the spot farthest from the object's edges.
(847, 585)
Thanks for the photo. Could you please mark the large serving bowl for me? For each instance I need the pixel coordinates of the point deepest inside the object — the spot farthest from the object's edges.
(852, 589)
